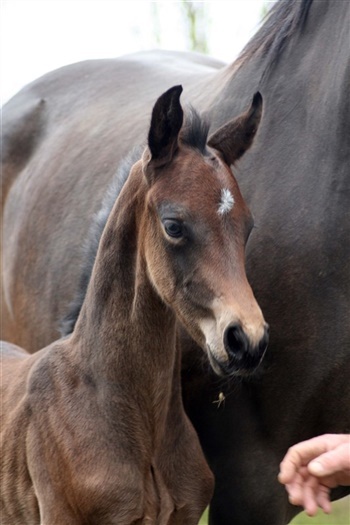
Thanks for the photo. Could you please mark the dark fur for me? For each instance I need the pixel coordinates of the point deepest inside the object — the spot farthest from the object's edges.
(282, 21)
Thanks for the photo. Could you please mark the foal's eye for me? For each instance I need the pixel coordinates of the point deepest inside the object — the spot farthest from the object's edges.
(173, 228)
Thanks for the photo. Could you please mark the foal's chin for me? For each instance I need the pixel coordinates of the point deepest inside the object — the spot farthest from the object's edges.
(252, 367)
(246, 366)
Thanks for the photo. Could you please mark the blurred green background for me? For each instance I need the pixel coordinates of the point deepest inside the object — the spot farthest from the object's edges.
(340, 516)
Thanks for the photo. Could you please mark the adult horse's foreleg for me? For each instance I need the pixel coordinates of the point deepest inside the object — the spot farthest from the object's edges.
(238, 453)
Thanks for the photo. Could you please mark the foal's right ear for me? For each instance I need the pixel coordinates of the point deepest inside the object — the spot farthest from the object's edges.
(234, 138)
(166, 122)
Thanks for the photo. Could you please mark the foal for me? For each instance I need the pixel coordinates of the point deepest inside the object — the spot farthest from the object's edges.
(93, 428)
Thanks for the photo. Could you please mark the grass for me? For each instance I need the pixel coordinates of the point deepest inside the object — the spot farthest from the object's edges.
(340, 516)
(204, 519)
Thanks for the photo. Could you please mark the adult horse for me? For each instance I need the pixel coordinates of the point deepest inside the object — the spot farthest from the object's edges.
(62, 138)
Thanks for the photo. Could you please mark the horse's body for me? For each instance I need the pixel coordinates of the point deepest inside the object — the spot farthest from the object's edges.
(59, 155)
(93, 428)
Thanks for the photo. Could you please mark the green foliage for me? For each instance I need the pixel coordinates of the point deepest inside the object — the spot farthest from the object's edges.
(195, 20)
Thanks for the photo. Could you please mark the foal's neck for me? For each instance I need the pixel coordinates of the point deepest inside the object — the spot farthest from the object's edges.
(124, 328)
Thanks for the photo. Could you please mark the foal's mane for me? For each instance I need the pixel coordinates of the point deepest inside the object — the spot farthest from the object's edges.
(281, 22)
(90, 247)
(194, 134)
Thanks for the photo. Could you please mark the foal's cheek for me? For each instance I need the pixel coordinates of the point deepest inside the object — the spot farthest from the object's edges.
(160, 271)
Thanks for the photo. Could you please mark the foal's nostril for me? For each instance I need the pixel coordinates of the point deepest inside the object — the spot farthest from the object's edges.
(243, 355)
(235, 341)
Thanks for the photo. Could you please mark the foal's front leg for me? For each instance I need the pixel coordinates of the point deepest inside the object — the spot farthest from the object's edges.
(106, 505)
(100, 495)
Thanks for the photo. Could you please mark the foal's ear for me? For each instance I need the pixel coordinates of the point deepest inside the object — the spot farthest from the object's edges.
(166, 122)
(234, 138)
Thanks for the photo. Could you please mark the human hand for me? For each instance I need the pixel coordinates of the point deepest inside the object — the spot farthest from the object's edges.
(311, 468)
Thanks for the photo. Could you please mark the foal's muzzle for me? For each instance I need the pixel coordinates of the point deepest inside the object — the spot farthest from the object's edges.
(243, 356)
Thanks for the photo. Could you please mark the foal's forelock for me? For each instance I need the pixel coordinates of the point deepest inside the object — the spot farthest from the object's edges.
(195, 131)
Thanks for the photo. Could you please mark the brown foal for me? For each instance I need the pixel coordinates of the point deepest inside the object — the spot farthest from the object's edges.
(93, 427)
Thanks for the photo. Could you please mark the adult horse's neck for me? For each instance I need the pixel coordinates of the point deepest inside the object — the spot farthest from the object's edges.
(125, 330)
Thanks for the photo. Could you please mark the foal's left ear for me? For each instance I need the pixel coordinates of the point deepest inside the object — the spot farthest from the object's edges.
(234, 138)
(166, 122)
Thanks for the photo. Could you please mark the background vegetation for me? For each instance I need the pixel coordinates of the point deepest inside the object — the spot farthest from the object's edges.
(340, 516)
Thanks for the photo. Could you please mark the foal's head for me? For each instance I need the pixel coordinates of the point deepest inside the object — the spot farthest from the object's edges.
(194, 229)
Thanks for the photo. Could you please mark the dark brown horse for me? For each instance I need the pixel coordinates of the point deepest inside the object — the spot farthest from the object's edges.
(62, 138)
(93, 428)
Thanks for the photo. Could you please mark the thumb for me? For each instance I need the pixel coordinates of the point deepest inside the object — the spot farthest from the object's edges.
(331, 462)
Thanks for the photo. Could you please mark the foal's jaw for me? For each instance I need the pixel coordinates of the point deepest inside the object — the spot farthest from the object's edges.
(235, 345)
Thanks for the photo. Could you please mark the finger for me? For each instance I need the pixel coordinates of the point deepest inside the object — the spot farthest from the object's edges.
(290, 470)
(295, 495)
(323, 499)
(296, 487)
(299, 455)
(295, 490)
(310, 496)
(289, 466)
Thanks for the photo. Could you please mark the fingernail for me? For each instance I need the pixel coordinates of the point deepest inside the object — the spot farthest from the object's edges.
(316, 468)
(293, 500)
